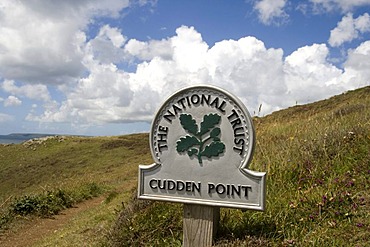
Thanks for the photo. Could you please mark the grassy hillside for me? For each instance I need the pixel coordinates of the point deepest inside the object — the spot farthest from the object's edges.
(43, 176)
(318, 191)
(36, 166)
(318, 160)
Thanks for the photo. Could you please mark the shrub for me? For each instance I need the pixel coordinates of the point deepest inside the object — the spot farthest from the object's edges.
(48, 203)
(45, 204)
(147, 223)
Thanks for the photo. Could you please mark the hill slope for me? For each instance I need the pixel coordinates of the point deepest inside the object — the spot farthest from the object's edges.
(36, 175)
(317, 158)
(35, 166)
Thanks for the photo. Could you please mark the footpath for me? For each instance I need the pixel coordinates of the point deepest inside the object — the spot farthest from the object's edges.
(31, 231)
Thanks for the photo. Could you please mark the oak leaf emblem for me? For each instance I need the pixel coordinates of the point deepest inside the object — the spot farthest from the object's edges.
(201, 142)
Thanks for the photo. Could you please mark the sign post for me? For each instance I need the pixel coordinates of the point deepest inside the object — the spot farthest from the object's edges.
(199, 224)
(202, 141)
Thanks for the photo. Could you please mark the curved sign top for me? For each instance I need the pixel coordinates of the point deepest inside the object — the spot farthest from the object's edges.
(202, 141)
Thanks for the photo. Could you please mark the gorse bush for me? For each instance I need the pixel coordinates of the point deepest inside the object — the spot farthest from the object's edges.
(48, 203)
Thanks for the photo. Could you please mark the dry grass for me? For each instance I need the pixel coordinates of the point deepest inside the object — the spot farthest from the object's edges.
(317, 157)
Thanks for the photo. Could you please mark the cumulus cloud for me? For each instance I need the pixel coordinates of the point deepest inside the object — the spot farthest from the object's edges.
(256, 74)
(343, 5)
(107, 45)
(271, 11)
(94, 87)
(12, 101)
(149, 50)
(35, 92)
(309, 75)
(349, 29)
(356, 68)
(40, 41)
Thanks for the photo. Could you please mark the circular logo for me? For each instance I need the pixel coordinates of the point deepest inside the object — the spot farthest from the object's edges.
(202, 126)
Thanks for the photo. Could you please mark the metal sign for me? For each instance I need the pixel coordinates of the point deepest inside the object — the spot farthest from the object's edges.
(202, 141)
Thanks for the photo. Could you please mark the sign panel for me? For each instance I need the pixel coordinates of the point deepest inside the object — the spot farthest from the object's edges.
(202, 140)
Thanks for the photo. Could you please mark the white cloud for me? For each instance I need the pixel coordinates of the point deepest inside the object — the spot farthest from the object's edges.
(343, 5)
(271, 11)
(5, 118)
(362, 23)
(12, 101)
(256, 74)
(109, 94)
(78, 10)
(349, 29)
(148, 50)
(35, 92)
(97, 98)
(112, 34)
(40, 41)
(107, 45)
(357, 73)
(241, 65)
(309, 76)
(44, 43)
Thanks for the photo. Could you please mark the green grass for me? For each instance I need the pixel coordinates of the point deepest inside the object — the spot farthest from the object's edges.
(317, 157)
(70, 161)
(318, 160)
(47, 204)
(43, 178)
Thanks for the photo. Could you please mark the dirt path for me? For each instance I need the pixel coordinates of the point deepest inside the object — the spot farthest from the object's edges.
(32, 231)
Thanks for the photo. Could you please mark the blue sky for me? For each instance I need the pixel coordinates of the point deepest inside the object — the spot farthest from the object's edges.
(104, 67)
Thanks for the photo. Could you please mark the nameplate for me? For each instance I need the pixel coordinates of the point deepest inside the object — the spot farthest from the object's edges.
(202, 141)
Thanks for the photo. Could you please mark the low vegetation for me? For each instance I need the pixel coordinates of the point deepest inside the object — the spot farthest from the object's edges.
(43, 176)
(317, 157)
(47, 203)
